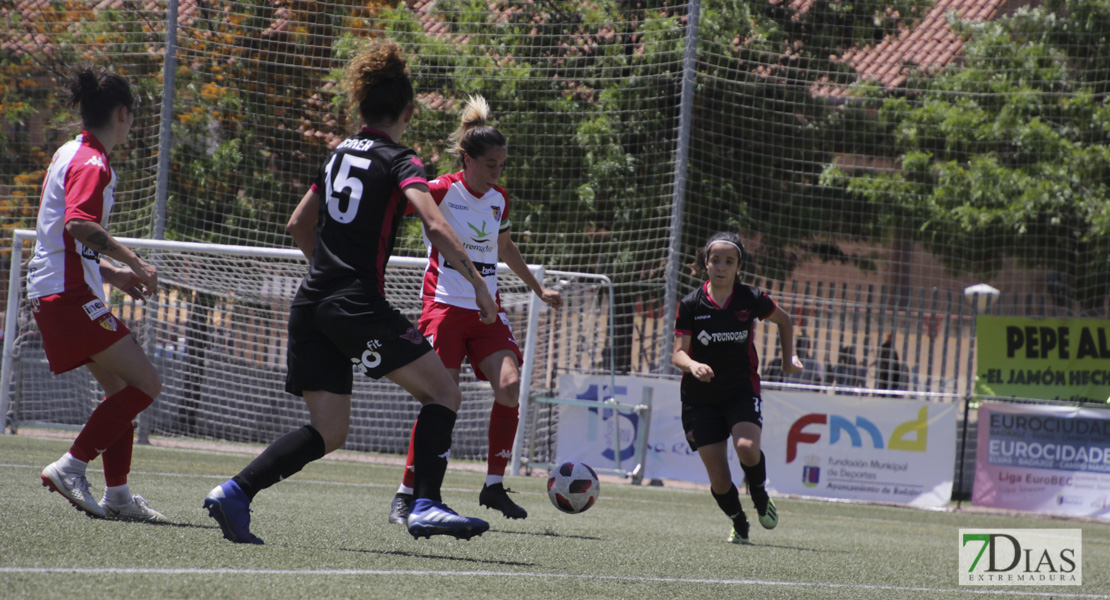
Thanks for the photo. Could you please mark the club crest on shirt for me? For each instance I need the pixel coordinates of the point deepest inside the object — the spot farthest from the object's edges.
(496, 213)
(110, 323)
(95, 309)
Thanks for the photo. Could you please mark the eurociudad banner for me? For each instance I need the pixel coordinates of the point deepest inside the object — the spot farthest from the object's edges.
(1049, 359)
(1050, 459)
(832, 446)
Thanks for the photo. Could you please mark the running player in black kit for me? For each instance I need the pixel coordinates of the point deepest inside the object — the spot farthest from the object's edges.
(346, 225)
(720, 382)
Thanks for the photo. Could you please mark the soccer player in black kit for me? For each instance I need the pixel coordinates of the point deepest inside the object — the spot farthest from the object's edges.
(720, 382)
(346, 226)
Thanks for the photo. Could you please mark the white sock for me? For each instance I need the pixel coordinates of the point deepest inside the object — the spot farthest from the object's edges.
(70, 465)
(118, 494)
(403, 489)
(494, 479)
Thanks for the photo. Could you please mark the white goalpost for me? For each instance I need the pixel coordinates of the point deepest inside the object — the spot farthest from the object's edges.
(216, 331)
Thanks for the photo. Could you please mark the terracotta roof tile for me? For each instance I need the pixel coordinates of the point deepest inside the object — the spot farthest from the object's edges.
(928, 46)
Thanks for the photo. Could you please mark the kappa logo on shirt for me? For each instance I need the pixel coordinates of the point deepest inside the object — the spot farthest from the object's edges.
(95, 309)
(96, 161)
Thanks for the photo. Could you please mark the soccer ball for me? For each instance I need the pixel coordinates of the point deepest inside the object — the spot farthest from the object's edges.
(573, 487)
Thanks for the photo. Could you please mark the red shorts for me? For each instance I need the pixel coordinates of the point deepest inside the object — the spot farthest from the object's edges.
(457, 333)
(75, 326)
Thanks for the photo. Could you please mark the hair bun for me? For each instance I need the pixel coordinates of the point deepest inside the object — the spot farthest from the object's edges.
(83, 85)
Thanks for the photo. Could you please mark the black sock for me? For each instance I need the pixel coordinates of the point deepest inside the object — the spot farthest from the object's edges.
(756, 475)
(281, 459)
(729, 501)
(431, 447)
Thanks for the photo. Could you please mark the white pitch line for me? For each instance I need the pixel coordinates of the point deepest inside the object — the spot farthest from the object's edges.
(502, 574)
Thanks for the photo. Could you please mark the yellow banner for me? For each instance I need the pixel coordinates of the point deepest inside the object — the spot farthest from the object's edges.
(1051, 359)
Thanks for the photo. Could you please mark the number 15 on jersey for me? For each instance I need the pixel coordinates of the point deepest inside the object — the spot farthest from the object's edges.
(344, 187)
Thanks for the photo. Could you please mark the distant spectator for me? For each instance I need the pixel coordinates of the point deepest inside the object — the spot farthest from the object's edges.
(814, 373)
(847, 372)
(890, 373)
(773, 371)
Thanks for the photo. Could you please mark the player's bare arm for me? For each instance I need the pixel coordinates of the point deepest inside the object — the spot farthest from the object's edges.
(302, 223)
(443, 237)
(509, 253)
(681, 359)
(93, 235)
(786, 340)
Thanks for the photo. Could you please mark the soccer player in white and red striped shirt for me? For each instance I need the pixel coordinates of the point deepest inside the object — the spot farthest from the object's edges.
(65, 285)
(478, 210)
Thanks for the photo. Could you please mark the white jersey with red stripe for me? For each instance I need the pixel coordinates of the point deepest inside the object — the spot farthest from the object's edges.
(78, 185)
(477, 221)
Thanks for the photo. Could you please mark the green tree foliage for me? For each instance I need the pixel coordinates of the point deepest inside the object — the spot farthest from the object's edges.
(44, 44)
(764, 127)
(589, 116)
(1009, 155)
(252, 122)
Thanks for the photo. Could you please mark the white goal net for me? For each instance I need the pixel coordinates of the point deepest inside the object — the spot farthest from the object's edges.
(216, 331)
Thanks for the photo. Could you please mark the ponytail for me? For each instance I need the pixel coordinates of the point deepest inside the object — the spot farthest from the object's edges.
(474, 138)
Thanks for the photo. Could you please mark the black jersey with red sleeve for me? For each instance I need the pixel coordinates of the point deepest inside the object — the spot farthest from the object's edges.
(361, 208)
(721, 337)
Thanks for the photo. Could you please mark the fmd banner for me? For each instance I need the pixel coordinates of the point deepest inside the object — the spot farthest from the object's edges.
(1052, 459)
(875, 449)
(879, 449)
(1051, 359)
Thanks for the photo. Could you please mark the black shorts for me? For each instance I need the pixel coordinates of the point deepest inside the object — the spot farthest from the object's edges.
(331, 339)
(710, 422)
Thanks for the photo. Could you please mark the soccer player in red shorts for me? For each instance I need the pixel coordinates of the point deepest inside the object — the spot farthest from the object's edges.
(477, 208)
(65, 285)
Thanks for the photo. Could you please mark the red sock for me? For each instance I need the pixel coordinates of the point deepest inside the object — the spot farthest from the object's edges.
(409, 480)
(502, 431)
(117, 459)
(109, 421)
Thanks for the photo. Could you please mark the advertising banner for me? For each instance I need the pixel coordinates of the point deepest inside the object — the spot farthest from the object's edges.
(586, 434)
(874, 449)
(1050, 359)
(878, 449)
(1051, 459)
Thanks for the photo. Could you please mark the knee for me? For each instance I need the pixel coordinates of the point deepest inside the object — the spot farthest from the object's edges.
(508, 395)
(747, 452)
(334, 435)
(153, 387)
(450, 397)
(146, 380)
(748, 457)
